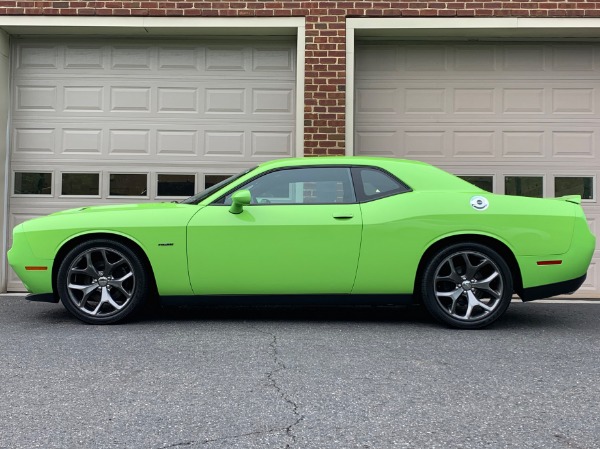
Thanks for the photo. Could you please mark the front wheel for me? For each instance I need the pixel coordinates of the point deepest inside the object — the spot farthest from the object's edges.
(467, 285)
(102, 281)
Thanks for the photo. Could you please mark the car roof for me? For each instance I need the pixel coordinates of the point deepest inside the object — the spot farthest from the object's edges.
(338, 160)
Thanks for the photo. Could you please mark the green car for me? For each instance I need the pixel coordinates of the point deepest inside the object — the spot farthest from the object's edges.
(353, 229)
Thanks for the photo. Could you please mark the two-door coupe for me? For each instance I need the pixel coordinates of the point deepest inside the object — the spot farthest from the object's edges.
(355, 228)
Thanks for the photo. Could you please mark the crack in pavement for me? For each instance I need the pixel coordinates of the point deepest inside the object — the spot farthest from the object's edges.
(228, 437)
(280, 366)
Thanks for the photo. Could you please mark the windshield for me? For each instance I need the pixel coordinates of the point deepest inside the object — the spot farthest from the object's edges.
(208, 192)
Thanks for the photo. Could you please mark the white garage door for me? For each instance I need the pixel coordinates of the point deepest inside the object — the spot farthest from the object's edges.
(113, 121)
(515, 118)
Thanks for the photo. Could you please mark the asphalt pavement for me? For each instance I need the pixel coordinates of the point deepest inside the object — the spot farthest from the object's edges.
(294, 377)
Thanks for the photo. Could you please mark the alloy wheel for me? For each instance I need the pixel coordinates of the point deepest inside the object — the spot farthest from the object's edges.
(468, 285)
(101, 282)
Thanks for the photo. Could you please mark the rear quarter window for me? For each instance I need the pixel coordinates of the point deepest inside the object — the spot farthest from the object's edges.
(372, 183)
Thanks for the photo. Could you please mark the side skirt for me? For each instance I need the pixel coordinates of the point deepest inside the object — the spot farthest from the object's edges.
(289, 300)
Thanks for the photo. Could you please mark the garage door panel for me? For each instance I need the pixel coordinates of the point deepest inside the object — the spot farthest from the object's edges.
(29, 141)
(145, 58)
(496, 100)
(156, 100)
(521, 117)
(474, 61)
(36, 96)
(174, 139)
(510, 142)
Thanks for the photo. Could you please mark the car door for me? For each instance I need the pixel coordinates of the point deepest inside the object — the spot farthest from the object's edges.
(300, 234)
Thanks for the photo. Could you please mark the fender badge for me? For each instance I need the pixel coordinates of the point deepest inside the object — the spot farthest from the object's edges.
(479, 203)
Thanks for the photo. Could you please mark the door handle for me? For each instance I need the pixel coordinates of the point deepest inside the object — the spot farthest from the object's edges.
(343, 216)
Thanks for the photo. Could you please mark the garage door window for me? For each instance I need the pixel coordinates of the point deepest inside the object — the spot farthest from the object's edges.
(574, 185)
(128, 184)
(483, 182)
(33, 183)
(176, 185)
(532, 186)
(84, 184)
(211, 180)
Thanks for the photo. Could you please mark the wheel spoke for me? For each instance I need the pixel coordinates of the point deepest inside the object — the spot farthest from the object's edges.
(96, 310)
(452, 309)
(471, 269)
(473, 301)
(106, 297)
(454, 294)
(89, 269)
(467, 315)
(86, 290)
(118, 284)
(484, 285)
(108, 266)
(453, 277)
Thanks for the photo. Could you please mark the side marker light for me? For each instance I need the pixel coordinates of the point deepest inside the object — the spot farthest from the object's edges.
(549, 262)
(36, 268)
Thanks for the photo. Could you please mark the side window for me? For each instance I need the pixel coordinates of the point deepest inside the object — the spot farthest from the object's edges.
(318, 185)
(372, 184)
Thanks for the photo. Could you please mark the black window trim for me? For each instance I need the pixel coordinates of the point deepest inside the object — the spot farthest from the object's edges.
(354, 177)
(362, 197)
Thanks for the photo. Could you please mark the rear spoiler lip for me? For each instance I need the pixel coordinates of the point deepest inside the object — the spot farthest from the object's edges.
(575, 199)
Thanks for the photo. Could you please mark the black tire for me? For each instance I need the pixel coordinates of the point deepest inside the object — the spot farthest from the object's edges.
(102, 281)
(466, 286)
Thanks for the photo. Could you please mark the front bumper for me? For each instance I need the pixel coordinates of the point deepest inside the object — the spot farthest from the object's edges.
(35, 273)
(42, 297)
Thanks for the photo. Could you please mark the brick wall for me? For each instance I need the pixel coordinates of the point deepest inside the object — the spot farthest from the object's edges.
(324, 102)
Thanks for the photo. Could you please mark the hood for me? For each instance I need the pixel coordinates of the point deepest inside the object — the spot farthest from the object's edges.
(124, 208)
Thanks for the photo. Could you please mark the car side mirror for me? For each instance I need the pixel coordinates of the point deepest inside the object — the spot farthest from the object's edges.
(240, 199)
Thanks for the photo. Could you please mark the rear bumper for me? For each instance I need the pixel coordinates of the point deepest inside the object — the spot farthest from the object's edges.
(548, 290)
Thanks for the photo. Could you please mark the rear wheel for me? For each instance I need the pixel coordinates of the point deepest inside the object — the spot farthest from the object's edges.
(102, 281)
(467, 285)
